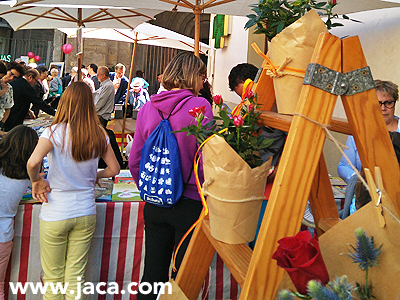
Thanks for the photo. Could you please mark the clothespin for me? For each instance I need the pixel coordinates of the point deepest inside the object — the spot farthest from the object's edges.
(378, 193)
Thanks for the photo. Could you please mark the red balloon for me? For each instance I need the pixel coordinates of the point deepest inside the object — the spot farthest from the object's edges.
(67, 48)
(31, 55)
(37, 58)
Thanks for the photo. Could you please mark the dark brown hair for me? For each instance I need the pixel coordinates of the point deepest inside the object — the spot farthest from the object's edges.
(15, 149)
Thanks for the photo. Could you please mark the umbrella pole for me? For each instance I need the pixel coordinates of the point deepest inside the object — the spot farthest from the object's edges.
(127, 94)
(79, 40)
(197, 12)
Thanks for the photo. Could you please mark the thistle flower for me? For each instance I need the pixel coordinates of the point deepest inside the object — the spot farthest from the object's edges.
(286, 295)
(342, 288)
(365, 253)
(320, 292)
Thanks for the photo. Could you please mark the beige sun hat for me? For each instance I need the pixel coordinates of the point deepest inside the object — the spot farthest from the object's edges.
(137, 83)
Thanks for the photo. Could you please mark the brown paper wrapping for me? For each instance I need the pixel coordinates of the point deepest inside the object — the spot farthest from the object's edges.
(234, 192)
(297, 42)
(334, 244)
(177, 293)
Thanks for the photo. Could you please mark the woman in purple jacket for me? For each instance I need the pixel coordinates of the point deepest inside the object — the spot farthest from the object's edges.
(164, 227)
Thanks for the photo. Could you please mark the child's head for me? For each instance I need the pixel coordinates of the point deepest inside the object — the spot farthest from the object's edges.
(15, 149)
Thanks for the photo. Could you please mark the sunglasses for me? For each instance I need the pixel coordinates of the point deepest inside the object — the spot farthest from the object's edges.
(388, 104)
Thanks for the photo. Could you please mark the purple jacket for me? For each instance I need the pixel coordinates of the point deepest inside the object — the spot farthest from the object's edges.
(148, 119)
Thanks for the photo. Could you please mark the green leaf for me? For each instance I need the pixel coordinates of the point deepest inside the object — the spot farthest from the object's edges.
(280, 27)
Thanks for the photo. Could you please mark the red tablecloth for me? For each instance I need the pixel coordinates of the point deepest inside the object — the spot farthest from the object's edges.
(116, 254)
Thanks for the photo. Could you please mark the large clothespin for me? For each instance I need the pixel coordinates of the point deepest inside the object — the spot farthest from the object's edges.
(378, 193)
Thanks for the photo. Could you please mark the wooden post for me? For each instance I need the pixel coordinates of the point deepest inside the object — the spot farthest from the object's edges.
(294, 177)
(79, 44)
(197, 13)
(360, 110)
(127, 94)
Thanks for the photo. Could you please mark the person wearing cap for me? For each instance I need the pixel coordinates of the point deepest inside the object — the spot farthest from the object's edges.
(138, 96)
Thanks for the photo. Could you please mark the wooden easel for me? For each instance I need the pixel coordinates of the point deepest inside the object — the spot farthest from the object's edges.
(302, 175)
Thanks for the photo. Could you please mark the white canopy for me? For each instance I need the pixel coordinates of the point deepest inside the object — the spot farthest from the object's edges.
(147, 34)
(227, 7)
(55, 16)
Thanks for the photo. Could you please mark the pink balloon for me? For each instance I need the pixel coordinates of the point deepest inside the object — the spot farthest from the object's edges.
(37, 58)
(31, 55)
(67, 48)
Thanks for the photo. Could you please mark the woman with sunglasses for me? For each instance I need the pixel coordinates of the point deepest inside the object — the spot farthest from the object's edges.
(388, 94)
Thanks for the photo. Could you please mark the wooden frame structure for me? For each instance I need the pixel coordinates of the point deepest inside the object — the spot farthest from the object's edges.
(302, 175)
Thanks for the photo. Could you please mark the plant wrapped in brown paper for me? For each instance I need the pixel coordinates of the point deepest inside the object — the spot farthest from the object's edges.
(234, 175)
(240, 129)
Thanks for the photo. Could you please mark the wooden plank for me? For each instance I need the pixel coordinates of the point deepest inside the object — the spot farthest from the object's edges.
(322, 201)
(293, 180)
(236, 257)
(369, 128)
(195, 264)
(326, 224)
(282, 122)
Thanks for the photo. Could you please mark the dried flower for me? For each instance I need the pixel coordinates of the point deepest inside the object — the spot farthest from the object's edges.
(365, 254)
(320, 292)
(286, 295)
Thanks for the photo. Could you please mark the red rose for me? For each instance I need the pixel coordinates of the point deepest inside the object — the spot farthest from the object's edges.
(237, 121)
(301, 258)
(218, 99)
(251, 107)
(196, 111)
(333, 1)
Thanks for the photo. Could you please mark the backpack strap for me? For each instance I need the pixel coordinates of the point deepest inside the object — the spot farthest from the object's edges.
(161, 114)
(162, 117)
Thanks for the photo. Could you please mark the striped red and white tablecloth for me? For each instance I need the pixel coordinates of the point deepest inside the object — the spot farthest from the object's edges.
(116, 254)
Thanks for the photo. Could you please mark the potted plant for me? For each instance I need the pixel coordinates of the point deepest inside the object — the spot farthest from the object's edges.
(234, 173)
(292, 27)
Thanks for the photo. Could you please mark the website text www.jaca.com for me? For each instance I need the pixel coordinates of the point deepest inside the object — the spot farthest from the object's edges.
(89, 288)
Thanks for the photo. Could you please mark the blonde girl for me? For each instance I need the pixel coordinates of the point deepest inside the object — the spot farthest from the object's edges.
(73, 144)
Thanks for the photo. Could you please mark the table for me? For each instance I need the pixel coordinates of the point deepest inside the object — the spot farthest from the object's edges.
(116, 126)
(116, 254)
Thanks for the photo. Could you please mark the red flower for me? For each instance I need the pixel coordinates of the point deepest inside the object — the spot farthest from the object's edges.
(251, 107)
(196, 111)
(237, 121)
(218, 99)
(333, 1)
(301, 258)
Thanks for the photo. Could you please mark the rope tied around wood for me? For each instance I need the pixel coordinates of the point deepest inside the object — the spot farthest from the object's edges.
(278, 71)
(338, 145)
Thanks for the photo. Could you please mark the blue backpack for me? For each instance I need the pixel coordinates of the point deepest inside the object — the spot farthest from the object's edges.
(160, 174)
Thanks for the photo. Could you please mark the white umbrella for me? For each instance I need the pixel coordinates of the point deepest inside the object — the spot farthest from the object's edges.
(27, 16)
(148, 34)
(73, 16)
(226, 7)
